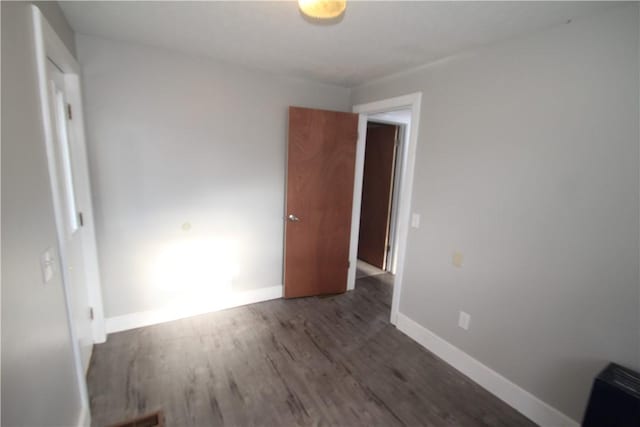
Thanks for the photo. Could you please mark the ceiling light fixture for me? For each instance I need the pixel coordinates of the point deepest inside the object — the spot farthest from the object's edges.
(322, 9)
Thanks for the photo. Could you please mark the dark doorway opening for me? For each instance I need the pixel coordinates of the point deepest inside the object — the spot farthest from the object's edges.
(380, 165)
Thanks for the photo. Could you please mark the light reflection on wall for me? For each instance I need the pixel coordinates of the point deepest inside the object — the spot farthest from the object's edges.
(195, 273)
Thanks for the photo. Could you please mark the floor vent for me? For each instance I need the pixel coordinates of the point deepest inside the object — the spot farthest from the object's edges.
(155, 419)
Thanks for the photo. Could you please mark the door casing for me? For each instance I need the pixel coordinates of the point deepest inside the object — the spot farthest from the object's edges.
(48, 46)
(407, 155)
(63, 168)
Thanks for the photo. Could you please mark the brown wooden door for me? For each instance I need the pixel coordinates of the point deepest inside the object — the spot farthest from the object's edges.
(377, 187)
(320, 173)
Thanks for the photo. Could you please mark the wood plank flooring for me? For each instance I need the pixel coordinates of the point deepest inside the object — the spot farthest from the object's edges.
(330, 361)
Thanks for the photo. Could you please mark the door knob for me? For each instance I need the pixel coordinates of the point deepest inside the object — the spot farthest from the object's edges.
(293, 218)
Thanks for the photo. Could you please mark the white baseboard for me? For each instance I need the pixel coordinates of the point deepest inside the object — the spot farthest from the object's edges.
(512, 394)
(167, 314)
(84, 419)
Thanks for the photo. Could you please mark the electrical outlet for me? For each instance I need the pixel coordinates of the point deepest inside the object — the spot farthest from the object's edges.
(463, 320)
(457, 259)
(415, 220)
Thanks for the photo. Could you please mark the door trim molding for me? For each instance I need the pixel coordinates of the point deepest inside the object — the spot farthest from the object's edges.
(403, 139)
(84, 419)
(408, 154)
(47, 45)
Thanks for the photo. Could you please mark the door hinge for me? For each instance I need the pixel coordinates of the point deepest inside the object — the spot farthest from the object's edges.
(69, 115)
(80, 219)
(91, 313)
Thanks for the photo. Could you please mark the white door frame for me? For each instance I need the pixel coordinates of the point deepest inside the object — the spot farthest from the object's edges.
(408, 154)
(391, 263)
(49, 46)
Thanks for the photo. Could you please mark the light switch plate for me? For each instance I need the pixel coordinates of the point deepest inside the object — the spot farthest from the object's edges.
(47, 265)
(415, 220)
(463, 320)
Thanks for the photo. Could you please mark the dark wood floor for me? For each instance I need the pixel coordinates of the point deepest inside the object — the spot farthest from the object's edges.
(332, 361)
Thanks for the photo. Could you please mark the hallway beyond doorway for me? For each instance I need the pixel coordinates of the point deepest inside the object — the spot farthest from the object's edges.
(364, 269)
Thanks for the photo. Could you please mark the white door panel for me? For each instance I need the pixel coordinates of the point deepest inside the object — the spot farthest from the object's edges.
(69, 220)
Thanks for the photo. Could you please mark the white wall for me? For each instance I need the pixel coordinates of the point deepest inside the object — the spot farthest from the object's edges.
(175, 139)
(55, 17)
(39, 385)
(528, 164)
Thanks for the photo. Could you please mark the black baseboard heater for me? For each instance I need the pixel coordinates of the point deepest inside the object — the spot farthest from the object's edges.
(615, 399)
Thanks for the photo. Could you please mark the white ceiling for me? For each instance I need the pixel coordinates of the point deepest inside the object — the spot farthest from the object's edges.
(372, 40)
